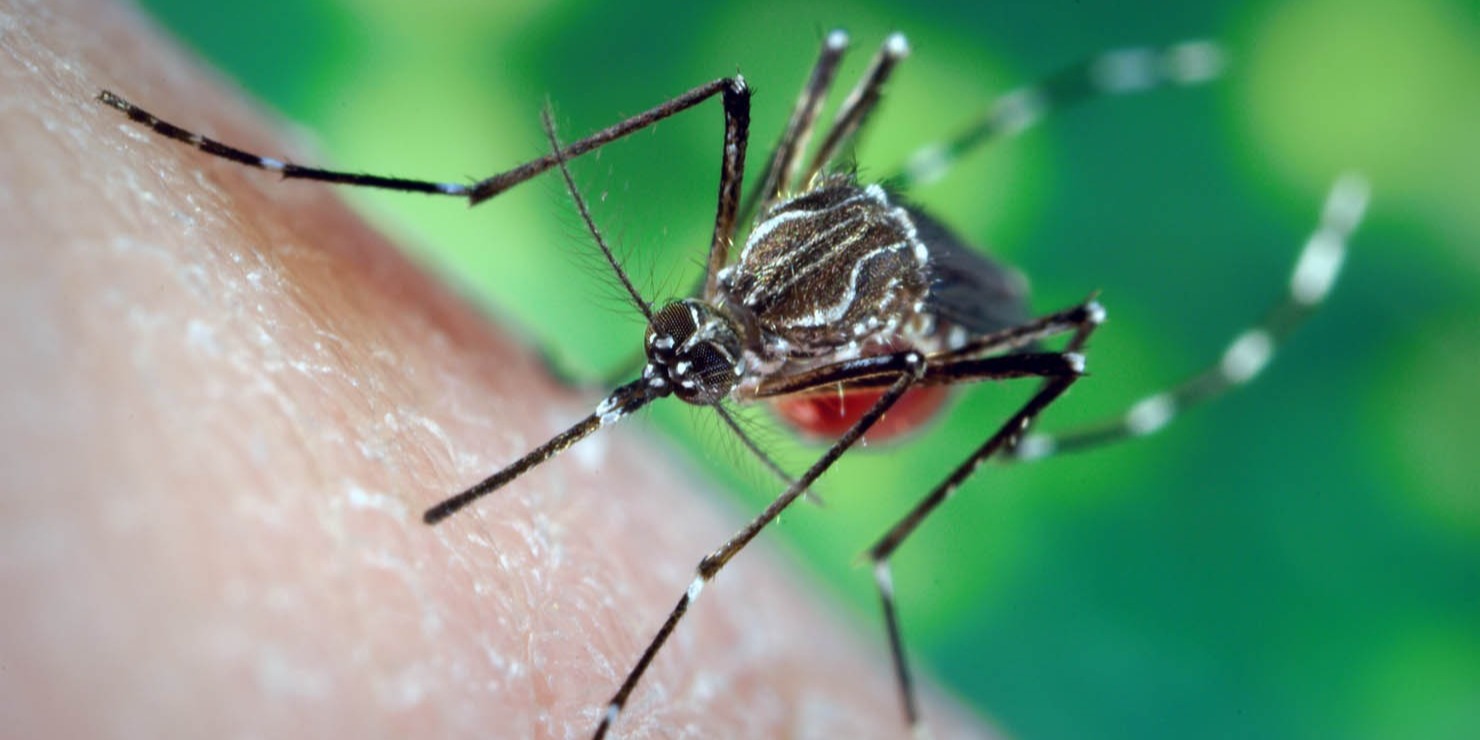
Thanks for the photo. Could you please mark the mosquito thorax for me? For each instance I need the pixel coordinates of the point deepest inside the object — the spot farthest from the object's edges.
(693, 349)
(835, 272)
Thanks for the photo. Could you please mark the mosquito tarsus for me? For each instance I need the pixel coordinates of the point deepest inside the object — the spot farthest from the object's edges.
(843, 292)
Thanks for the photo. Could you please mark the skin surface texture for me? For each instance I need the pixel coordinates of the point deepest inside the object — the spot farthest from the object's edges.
(224, 404)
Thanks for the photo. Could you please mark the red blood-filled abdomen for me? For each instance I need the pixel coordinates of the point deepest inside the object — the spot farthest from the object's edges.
(829, 415)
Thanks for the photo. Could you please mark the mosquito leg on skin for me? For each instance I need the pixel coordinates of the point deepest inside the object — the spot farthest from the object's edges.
(859, 103)
(1004, 438)
(880, 553)
(621, 403)
(475, 193)
(909, 366)
(282, 167)
(1249, 352)
(1059, 370)
(907, 370)
(1112, 73)
(781, 170)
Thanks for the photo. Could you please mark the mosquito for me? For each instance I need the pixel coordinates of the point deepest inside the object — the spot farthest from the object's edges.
(853, 311)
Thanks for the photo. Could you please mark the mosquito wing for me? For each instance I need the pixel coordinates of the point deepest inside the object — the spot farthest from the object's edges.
(969, 289)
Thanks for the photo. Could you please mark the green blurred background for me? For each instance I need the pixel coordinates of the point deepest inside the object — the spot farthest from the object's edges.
(1301, 560)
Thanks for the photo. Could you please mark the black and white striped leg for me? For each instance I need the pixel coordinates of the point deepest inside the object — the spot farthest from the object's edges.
(621, 403)
(884, 549)
(475, 193)
(904, 370)
(962, 365)
(651, 386)
(909, 367)
(282, 167)
(731, 179)
(1249, 352)
(1112, 73)
(786, 158)
(859, 104)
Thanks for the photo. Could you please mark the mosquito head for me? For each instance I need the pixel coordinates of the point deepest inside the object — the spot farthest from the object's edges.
(695, 350)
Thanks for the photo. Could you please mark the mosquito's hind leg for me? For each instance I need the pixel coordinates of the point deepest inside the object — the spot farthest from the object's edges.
(859, 104)
(1109, 74)
(1248, 353)
(781, 169)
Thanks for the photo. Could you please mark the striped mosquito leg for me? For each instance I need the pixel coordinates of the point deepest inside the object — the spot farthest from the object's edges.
(492, 186)
(1112, 73)
(620, 403)
(286, 169)
(1250, 351)
(884, 549)
(1081, 319)
(786, 158)
(731, 179)
(475, 193)
(909, 366)
(1089, 318)
(859, 103)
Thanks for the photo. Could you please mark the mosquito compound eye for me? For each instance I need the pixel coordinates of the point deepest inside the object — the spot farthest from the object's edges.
(696, 349)
(704, 375)
(671, 327)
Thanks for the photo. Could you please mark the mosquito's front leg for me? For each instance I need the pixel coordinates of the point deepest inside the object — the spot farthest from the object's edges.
(908, 368)
(475, 193)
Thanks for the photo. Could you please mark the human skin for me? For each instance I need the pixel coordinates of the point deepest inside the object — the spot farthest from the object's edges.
(224, 404)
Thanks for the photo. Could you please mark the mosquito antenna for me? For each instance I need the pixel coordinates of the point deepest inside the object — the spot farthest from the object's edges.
(575, 194)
